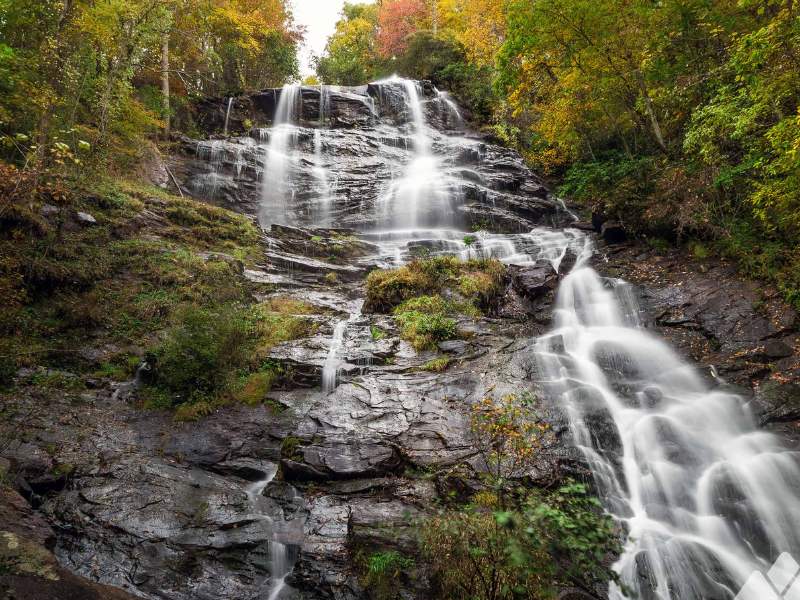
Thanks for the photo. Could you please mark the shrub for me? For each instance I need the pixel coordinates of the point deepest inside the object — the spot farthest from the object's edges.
(437, 365)
(510, 542)
(202, 350)
(481, 282)
(474, 555)
(525, 551)
(383, 571)
(255, 387)
(507, 433)
(387, 289)
(423, 322)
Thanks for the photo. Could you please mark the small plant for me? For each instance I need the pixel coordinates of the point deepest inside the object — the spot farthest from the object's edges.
(699, 250)
(508, 432)
(424, 322)
(383, 571)
(291, 448)
(377, 333)
(469, 240)
(254, 388)
(437, 365)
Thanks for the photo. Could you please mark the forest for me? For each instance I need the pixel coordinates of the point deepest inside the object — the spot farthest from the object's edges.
(481, 300)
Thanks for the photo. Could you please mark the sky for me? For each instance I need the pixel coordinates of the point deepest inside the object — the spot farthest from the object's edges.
(319, 18)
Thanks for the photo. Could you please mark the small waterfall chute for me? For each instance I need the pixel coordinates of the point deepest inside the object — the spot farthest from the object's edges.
(227, 116)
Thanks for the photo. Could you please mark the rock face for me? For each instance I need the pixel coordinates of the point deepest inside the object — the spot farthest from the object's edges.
(367, 136)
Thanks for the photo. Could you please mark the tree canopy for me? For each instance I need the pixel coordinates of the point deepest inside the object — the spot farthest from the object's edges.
(103, 72)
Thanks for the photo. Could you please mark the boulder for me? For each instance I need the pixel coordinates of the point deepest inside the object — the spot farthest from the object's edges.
(613, 232)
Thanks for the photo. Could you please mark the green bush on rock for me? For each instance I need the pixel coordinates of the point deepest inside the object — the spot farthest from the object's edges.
(202, 350)
(423, 321)
(215, 355)
(511, 541)
(383, 572)
(416, 292)
(478, 282)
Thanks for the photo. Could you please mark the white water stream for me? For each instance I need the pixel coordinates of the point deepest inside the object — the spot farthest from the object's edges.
(277, 185)
(707, 498)
(227, 116)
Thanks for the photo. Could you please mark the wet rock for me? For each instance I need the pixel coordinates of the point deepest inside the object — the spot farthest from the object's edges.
(534, 282)
(48, 210)
(598, 219)
(613, 232)
(453, 346)
(774, 349)
(779, 403)
(583, 225)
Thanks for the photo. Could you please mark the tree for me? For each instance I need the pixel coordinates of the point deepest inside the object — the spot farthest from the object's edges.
(397, 20)
(350, 57)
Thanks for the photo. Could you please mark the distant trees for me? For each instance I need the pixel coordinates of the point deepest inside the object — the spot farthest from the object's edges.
(109, 72)
(396, 22)
(351, 57)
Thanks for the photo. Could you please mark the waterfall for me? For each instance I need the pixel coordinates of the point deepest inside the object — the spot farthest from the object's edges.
(330, 369)
(454, 119)
(321, 175)
(281, 563)
(705, 496)
(280, 567)
(277, 184)
(227, 116)
(324, 99)
(421, 195)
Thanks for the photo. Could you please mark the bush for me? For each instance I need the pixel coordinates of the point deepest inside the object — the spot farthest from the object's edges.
(202, 351)
(511, 542)
(437, 365)
(480, 282)
(383, 572)
(423, 322)
(387, 289)
(545, 541)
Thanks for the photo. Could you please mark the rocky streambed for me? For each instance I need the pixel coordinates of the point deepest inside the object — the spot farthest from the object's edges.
(283, 499)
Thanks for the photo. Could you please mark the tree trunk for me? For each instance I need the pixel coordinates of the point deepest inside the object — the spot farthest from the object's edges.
(165, 82)
(651, 113)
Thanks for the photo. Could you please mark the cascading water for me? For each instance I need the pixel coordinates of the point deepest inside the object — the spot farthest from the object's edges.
(705, 496)
(227, 116)
(330, 369)
(321, 175)
(454, 119)
(420, 195)
(277, 184)
(280, 566)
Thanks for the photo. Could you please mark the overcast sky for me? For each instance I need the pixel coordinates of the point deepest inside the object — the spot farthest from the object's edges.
(319, 17)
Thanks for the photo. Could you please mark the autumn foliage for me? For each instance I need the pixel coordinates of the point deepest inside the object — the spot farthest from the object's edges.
(397, 19)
